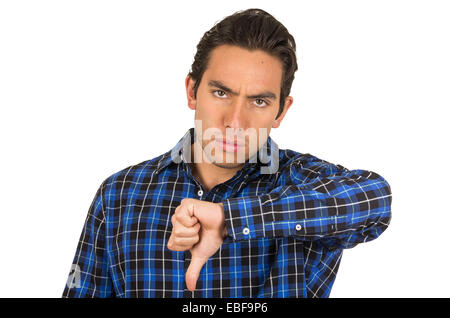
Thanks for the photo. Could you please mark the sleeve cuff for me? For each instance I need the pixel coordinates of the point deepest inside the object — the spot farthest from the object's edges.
(249, 217)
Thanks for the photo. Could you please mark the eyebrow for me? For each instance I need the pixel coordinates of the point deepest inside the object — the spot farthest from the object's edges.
(220, 85)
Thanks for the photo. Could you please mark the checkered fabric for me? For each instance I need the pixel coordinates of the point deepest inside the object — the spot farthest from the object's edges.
(288, 216)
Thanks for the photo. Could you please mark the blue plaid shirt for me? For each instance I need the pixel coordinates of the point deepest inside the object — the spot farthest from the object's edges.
(286, 229)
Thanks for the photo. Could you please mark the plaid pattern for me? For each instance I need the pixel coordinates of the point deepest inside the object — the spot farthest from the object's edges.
(286, 230)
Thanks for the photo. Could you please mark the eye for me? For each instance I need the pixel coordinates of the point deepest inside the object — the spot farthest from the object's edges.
(219, 93)
(260, 102)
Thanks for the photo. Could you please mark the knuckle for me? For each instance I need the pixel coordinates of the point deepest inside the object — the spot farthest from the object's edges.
(185, 201)
(179, 217)
(175, 249)
(179, 213)
(177, 240)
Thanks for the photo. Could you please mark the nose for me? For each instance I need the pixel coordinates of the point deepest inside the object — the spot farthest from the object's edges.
(236, 116)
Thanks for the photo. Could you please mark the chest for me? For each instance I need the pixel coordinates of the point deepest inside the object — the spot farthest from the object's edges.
(138, 229)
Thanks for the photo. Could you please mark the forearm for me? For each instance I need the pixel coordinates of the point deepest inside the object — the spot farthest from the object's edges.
(351, 205)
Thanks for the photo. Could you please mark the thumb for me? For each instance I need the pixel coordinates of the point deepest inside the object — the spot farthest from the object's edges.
(193, 272)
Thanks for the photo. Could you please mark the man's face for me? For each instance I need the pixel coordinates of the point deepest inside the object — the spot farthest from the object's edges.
(237, 100)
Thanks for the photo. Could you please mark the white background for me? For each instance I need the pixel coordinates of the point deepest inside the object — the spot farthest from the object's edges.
(88, 88)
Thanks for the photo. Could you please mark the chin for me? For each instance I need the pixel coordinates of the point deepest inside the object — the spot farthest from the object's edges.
(227, 165)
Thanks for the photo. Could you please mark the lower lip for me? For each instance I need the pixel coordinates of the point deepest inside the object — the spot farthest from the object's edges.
(229, 147)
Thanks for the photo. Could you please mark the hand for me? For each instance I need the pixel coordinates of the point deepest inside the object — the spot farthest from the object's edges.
(185, 229)
(203, 241)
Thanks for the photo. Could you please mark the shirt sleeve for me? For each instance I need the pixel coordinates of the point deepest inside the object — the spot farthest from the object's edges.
(317, 201)
(89, 276)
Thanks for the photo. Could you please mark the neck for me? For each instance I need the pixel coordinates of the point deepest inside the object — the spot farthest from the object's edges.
(209, 174)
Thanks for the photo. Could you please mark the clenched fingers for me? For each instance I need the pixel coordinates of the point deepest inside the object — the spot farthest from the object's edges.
(179, 230)
(184, 218)
(183, 237)
(182, 243)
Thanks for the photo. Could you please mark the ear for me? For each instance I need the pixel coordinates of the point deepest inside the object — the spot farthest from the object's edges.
(287, 103)
(189, 83)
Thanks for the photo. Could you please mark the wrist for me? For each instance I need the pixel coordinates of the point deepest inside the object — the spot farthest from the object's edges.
(224, 227)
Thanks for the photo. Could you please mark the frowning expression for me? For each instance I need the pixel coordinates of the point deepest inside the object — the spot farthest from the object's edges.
(238, 95)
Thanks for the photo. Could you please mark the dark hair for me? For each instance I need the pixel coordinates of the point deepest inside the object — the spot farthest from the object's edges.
(251, 29)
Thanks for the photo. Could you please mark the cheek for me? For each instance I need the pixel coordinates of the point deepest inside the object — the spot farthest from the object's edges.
(207, 115)
(262, 122)
(210, 111)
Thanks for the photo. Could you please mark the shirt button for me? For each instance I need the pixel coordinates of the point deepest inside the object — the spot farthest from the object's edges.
(298, 227)
(246, 231)
(200, 193)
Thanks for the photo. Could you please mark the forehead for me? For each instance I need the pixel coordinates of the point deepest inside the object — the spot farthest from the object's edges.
(237, 66)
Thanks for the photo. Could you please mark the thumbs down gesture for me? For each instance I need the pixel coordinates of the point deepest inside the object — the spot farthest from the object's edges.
(198, 226)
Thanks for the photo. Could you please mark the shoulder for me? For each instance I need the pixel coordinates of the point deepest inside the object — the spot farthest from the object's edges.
(303, 166)
(289, 158)
(137, 173)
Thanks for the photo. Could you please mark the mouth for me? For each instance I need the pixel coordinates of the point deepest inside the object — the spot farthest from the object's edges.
(230, 146)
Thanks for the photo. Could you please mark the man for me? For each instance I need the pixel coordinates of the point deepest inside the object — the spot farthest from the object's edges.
(264, 222)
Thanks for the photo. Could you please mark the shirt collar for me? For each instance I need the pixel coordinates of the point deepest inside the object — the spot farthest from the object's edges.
(267, 156)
